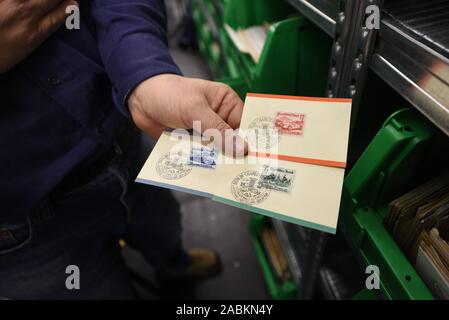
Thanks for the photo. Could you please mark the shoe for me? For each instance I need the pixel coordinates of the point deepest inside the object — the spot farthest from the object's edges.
(181, 285)
(205, 263)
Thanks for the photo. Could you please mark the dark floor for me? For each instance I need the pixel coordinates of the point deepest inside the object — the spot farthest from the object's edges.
(225, 229)
(212, 225)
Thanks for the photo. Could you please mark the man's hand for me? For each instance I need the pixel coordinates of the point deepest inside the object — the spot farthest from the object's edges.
(171, 101)
(25, 24)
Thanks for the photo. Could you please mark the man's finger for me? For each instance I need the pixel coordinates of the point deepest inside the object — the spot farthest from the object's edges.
(231, 144)
(54, 19)
(235, 116)
(231, 111)
(42, 7)
(225, 101)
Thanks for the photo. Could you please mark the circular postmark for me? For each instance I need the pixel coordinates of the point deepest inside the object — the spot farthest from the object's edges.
(245, 188)
(263, 134)
(172, 166)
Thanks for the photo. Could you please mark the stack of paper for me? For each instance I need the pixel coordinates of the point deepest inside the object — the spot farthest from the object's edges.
(296, 176)
(275, 255)
(251, 40)
(418, 210)
(432, 263)
(419, 222)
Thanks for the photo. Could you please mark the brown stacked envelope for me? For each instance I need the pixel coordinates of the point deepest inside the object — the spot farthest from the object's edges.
(419, 223)
(274, 253)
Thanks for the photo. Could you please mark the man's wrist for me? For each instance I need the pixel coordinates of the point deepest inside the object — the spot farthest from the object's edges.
(143, 93)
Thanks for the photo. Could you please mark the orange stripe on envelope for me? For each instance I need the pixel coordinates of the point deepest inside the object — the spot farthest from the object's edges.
(327, 163)
(276, 96)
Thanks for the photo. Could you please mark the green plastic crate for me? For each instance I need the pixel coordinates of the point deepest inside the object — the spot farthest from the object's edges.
(238, 84)
(209, 43)
(286, 290)
(384, 172)
(247, 13)
(365, 294)
(295, 57)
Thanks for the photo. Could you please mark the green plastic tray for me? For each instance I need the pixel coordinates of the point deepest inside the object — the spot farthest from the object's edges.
(384, 172)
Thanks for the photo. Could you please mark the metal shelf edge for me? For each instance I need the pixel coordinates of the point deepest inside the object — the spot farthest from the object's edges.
(316, 15)
(415, 71)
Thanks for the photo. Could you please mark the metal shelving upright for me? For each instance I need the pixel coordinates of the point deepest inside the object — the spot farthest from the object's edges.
(322, 12)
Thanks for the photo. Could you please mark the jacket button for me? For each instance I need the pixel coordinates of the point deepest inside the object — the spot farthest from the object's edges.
(54, 80)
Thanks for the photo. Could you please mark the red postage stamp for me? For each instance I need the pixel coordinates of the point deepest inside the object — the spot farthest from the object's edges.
(290, 123)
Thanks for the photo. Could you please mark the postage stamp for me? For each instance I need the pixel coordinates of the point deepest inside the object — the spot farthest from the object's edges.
(172, 166)
(290, 123)
(262, 133)
(245, 188)
(203, 157)
(275, 178)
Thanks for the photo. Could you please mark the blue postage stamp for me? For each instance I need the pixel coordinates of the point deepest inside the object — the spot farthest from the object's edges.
(203, 157)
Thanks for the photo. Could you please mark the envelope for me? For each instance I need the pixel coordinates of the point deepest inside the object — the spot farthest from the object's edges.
(168, 166)
(294, 170)
(300, 193)
(432, 262)
(308, 195)
(300, 129)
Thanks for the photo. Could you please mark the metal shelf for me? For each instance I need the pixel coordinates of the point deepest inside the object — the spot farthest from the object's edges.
(303, 249)
(209, 19)
(321, 12)
(412, 56)
(411, 53)
(292, 255)
(218, 6)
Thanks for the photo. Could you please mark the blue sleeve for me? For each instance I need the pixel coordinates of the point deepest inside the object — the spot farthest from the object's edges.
(131, 38)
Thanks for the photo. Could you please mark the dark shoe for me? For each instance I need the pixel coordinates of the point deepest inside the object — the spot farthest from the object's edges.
(182, 284)
(205, 263)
